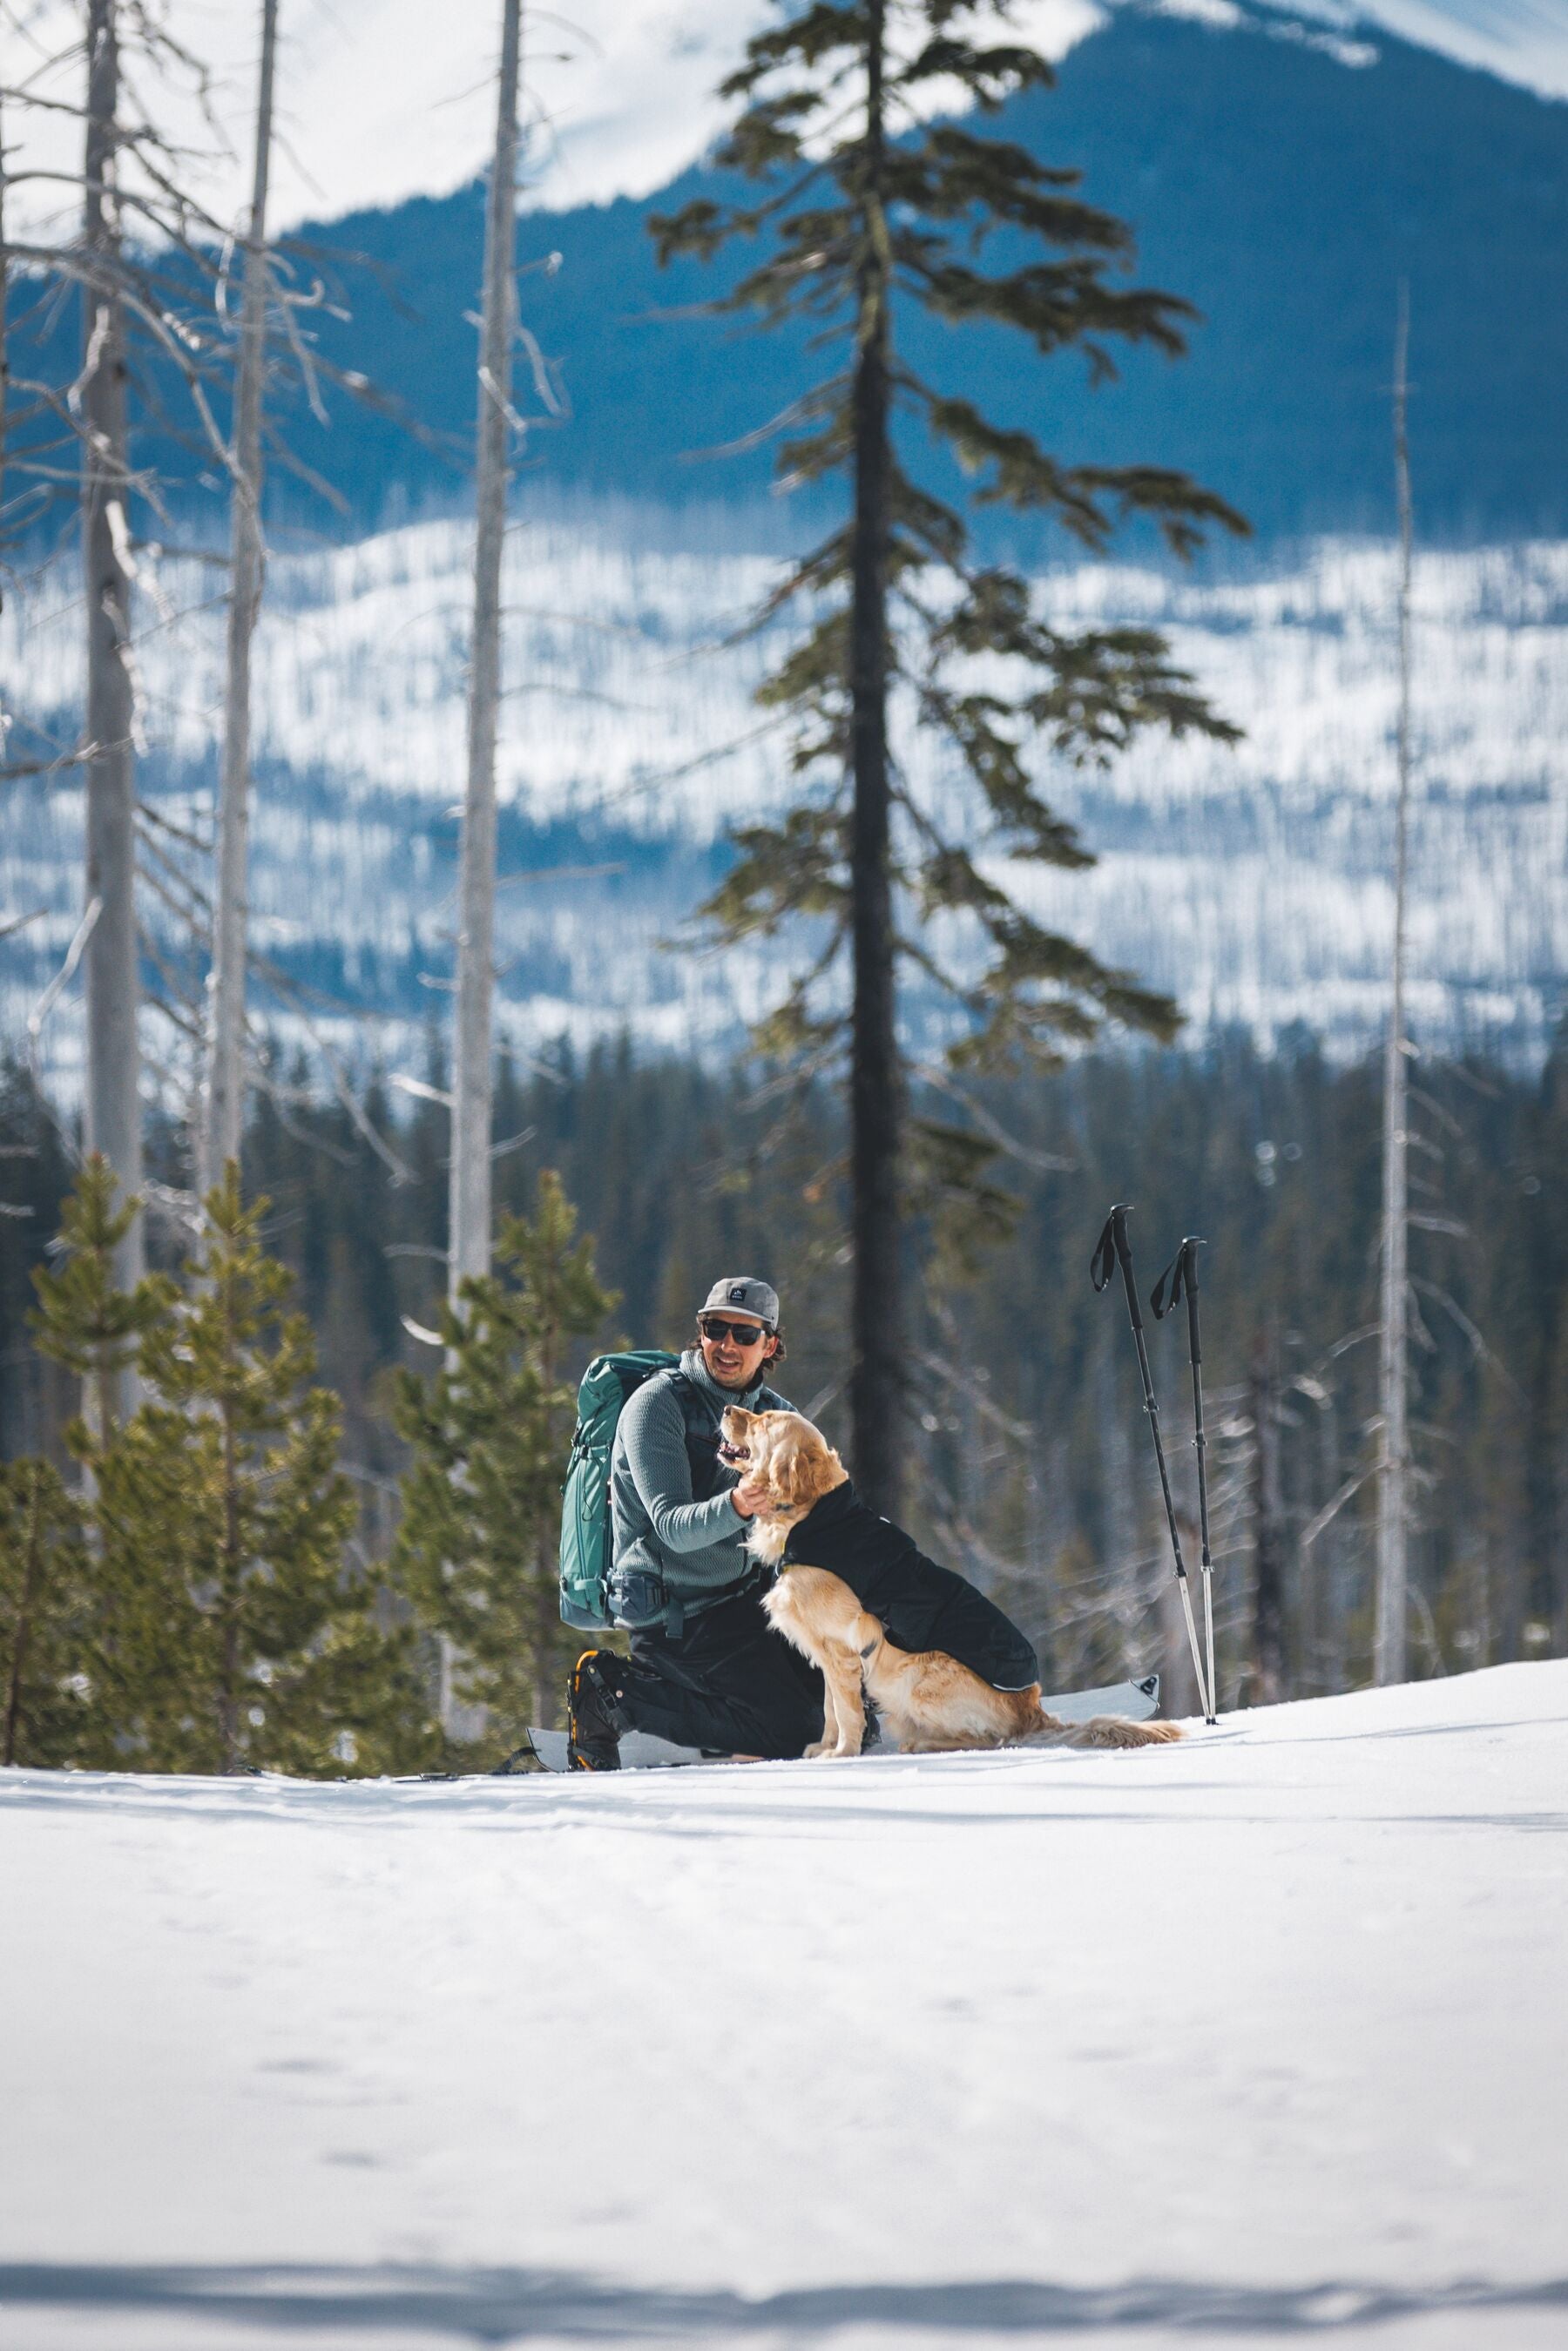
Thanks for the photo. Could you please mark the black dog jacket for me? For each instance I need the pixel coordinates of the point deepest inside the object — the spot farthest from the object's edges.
(922, 1606)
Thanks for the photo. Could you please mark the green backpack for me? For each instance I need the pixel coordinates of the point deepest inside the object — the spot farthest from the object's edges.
(586, 1536)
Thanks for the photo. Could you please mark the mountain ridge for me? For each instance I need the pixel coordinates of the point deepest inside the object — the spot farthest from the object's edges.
(1284, 192)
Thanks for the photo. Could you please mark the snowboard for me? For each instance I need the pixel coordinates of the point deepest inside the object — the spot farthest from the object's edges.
(639, 1751)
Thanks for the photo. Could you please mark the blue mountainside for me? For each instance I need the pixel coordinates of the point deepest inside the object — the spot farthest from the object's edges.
(1280, 189)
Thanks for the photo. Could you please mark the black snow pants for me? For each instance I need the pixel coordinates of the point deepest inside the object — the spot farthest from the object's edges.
(728, 1682)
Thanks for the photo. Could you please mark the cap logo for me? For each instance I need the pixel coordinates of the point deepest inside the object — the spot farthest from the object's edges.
(737, 1293)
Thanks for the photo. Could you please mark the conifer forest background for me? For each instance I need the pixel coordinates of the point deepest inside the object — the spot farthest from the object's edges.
(1033, 1471)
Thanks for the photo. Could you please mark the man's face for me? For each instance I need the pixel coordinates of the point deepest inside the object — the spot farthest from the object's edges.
(734, 1348)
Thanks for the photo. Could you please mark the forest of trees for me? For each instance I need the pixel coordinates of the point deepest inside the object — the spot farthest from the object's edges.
(1022, 1421)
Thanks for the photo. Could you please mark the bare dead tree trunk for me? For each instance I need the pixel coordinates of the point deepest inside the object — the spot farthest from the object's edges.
(876, 1316)
(1394, 1468)
(5, 344)
(223, 1120)
(468, 1241)
(231, 1599)
(32, 1576)
(1269, 1530)
(1557, 1558)
(1329, 1564)
(113, 1107)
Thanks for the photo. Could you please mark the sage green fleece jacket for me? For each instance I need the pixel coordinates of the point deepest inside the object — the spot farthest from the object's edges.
(657, 1523)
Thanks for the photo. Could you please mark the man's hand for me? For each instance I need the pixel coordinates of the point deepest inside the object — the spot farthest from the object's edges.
(749, 1497)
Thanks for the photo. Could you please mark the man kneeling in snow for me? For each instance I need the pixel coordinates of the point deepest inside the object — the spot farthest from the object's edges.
(706, 1669)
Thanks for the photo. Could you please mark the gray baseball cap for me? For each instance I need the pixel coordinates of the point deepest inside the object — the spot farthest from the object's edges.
(746, 1295)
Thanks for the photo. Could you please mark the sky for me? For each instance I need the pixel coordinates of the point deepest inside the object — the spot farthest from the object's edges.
(379, 99)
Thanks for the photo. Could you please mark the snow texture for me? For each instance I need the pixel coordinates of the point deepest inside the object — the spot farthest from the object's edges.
(1255, 2039)
(1252, 883)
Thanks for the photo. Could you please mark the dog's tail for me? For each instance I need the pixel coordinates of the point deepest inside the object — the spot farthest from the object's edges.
(1102, 1731)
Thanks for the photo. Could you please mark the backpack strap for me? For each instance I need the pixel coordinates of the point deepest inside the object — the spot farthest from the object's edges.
(708, 1473)
(701, 1452)
(702, 1437)
(703, 1429)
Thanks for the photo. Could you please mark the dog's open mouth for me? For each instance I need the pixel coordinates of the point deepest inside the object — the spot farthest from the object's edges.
(729, 1452)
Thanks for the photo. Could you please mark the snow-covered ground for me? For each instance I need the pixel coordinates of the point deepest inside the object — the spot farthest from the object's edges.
(1261, 2037)
(1253, 883)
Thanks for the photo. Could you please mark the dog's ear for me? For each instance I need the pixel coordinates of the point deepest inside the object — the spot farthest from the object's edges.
(789, 1472)
(801, 1469)
(814, 1472)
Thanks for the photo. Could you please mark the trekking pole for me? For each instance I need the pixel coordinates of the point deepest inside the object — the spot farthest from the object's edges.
(1112, 1250)
(1181, 1276)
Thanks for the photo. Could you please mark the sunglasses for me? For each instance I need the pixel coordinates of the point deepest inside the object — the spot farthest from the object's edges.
(745, 1334)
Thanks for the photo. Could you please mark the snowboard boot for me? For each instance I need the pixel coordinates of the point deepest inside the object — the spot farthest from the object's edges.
(593, 1715)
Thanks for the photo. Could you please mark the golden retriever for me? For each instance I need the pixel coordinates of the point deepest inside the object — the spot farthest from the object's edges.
(928, 1702)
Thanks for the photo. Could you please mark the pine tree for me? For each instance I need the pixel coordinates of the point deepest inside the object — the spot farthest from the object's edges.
(870, 210)
(220, 1506)
(84, 1320)
(131, 1666)
(46, 1620)
(477, 1549)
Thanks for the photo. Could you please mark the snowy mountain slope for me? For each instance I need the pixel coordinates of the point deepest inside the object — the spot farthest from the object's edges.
(1251, 2039)
(1524, 41)
(1251, 884)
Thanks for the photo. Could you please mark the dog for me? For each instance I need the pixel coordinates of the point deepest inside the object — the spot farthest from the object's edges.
(929, 1700)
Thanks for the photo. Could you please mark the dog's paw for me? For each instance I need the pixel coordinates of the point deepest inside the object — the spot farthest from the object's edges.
(1114, 1730)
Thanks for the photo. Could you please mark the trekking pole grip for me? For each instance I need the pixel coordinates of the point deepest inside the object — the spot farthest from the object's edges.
(1125, 1259)
(1112, 1251)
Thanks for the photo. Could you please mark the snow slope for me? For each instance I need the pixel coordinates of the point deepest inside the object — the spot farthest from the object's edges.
(1259, 2037)
(1252, 883)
